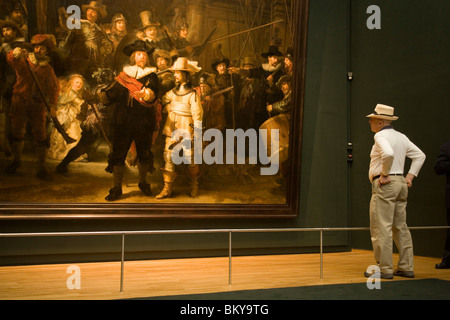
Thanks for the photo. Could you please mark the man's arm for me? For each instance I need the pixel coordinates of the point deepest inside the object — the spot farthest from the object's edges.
(418, 158)
(387, 157)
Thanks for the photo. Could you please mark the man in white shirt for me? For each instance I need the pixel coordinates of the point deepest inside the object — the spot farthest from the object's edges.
(390, 193)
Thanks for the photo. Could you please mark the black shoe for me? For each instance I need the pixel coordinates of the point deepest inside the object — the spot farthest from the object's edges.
(145, 188)
(442, 265)
(114, 194)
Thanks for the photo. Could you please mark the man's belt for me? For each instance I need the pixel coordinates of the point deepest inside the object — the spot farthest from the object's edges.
(392, 174)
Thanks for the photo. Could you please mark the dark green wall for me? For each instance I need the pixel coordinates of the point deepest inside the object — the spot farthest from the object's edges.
(404, 64)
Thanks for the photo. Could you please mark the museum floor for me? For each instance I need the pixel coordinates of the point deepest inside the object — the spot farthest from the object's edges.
(159, 278)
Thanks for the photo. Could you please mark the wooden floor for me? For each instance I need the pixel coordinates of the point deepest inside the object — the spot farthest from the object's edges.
(101, 281)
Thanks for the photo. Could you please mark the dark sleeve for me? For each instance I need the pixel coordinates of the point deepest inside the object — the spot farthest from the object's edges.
(282, 106)
(113, 92)
(443, 164)
(257, 73)
(151, 81)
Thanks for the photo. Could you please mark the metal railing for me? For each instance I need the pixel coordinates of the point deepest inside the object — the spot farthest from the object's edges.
(229, 231)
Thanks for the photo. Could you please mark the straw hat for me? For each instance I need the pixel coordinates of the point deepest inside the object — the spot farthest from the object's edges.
(183, 64)
(97, 6)
(383, 112)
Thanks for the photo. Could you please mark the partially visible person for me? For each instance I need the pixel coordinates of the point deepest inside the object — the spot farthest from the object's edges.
(249, 98)
(390, 193)
(95, 123)
(70, 101)
(89, 48)
(12, 38)
(17, 15)
(163, 62)
(182, 44)
(118, 29)
(27, 106)
(443, 167)
(284, 105)
(282, 110)
(289, 61)
(212, 104)
(268, 73)
(149, 32)
(224, 80)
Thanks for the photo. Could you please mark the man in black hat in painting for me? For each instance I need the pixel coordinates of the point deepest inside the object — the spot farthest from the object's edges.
(224, 80)
(137, 113)
(269, 73)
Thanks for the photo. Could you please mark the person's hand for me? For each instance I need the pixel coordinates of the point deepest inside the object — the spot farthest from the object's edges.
(270, 80)
(269, 107)
(232, 70)
(384, 180)
(140, 94)
(409, 178)
(20, 53)
(23, 54)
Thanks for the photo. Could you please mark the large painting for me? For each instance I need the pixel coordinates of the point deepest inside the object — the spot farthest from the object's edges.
(151, 108)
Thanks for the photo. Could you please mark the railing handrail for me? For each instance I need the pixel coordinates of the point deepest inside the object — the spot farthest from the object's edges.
(148, 232)
(229, 231)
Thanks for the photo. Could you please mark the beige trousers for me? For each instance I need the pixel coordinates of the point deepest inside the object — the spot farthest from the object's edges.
(388, 223)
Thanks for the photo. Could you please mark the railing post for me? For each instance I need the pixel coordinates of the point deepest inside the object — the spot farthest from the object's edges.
(321, 254)
(229, 258)
(122, 262)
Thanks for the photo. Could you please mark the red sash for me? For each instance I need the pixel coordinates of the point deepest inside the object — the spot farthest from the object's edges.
(133, 86)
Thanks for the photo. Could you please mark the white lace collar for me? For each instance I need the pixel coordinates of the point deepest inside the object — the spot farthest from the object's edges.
(137, 72)
(268, 67)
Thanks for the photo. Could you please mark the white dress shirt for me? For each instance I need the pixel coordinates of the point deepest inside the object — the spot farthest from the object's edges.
(389, 152)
